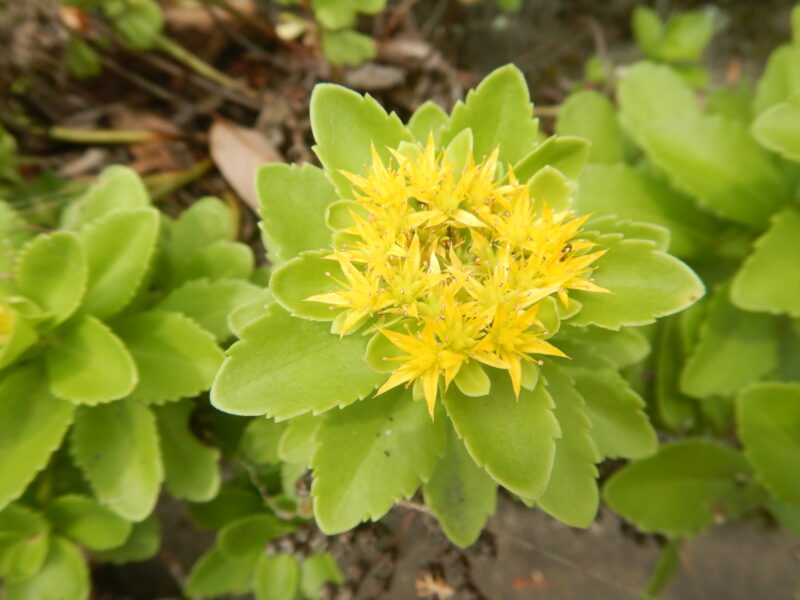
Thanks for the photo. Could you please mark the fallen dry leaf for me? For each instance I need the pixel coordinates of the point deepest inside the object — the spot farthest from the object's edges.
(238, 152)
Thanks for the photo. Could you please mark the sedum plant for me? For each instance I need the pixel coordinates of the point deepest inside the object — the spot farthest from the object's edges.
(443, 319)
(109, 325)
(723, 176)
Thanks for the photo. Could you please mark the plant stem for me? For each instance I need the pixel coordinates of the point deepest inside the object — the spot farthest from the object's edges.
(665, 568)
(184, 56)
(102, 136)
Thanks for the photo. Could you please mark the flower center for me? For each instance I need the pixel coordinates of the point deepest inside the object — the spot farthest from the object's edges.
(451, 262)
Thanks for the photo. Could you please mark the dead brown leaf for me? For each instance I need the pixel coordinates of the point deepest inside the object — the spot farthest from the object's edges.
(238, 152)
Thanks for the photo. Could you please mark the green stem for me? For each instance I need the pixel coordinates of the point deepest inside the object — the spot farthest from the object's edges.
(161, 184)
(102, 136)
(667, 565)
(202, 68)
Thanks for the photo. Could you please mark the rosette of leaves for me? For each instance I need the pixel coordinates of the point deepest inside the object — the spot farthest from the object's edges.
(724, 180)
(257, 515)
(109, 325)
(535, 425)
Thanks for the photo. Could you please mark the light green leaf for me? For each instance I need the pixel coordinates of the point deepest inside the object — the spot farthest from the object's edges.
(472, 379)
(687, 35)
(637, 230)
(87, 523)
(207, 221)
(704, 156)
(551, 186)
(780, 80)
(276, 577)
(619, 424)
(235, 500)
(32, 426)
(220, 260)
(648, 29)
(191, 467)
(460, 494)
(369, 455)
(116, 446)
(210, 303)
(676, 491)
(347, 47)
(769, 279)
(215, 574)
(625, 347)
(336, 14)
(88, 364)
(513, 439)
(649, 93)
(142, 543)
(117, 188)
(428, 119)
(316, 571)
(644, 284)
(674, 409)
(51, 271)
(571, 495)
(285, 366)
(778, 128)
(260, 439)
(119, 248)
(242, 316)
(297, 443)
(292, 202)
(13, 228)
(768, 416)
(591, 115)
(250, 534)
(21, 336)
(24, 542)
(499, 113)
(346, 126)
(567, 154)
(629, 194)
(175, 357)
(734, 348)
(302, 277)
(137, 23)
(64, 576)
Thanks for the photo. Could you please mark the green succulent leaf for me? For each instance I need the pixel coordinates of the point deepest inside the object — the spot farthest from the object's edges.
(371, 454)
(734, 348)
(702, 155)
(191, 468)
(649, 93)
(778, 128)
(85, 522)
(297, 443)
(117, 188)
(768, 416)
(460, 494)
(619, 424)
(591, 115)
(116, 446)
(428, 119)
(89, 364)
(64, 576)
(336, 14)
(22, 336)
(51, 271)
(292, 202)
(233, 502)
(174, 356)
(637, 195)
(24, 542)
(276, 577)
(316, 571)
(260, 439)
(676, 491)
(138, 23)
(142, 543)
(675, 409)
(347, 47)
(215, 574)
(644, 284)
(119, 248)
(686, 36)
(346, 126)
(285, 366)
(220, 260)
(780, 80)
(513, 439)
(207, 221)
(565, 153)
(32, 426)
(210, 303)
(648, 29)
(250, 534)
(499, 113)
(769, 279)
(571, 495)
(302, 277)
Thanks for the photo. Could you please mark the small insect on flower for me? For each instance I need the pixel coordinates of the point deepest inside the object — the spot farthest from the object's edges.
(452, 262)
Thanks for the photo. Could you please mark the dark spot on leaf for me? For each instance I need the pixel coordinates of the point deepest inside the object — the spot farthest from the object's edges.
(387, 453)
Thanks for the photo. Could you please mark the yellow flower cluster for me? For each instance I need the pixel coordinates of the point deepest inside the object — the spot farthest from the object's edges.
(458, 257)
